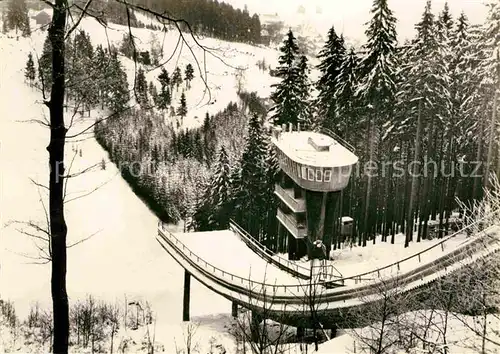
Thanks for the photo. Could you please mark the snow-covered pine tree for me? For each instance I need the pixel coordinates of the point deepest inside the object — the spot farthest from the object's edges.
(427, 90)
(182, 109)
(5, 27)
(377, 90)
(17, 17)
(153, 92)
(164, 97)
(345, 93)
(45, 67)
(251, 195)
(286, 95)
(176, 79)
(141, 88)
(84, 83)
(100, 63)
(188, 75)
(220, 193)
(270, 229)
(304, 87)
(29, 71)
(117, 95)
(331, 56)
(488, 70)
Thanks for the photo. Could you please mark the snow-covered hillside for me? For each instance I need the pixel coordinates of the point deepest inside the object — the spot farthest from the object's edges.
(122, 256)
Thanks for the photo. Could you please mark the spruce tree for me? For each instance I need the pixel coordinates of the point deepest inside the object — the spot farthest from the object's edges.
(100, 63)
(377, 88)
(189, 75)
(331, 56)
(29, 72)
(182, 109)
(287, 94)
(153, 92)
(303, 90)
(45, 67)
(251, 193)
(17, 17)
(345, 93)
(164, 97)
(117, 95)
(141, 88)
(84, 83)
(176, 78)
(220, 193)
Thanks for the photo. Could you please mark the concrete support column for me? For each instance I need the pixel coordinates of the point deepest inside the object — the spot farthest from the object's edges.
(333, 332)
(300, 333)
(255, 326)
(292, 247)
(187, 296)
(234, 309)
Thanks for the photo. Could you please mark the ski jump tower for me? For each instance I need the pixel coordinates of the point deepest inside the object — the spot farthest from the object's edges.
(314, 168)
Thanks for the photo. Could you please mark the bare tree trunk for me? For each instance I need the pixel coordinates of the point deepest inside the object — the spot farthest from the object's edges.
(58, 228)
(414, 179)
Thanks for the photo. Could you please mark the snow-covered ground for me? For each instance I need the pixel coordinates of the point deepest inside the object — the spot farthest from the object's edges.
(122, 256)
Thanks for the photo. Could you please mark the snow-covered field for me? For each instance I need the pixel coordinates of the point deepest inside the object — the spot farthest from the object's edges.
(122, 257)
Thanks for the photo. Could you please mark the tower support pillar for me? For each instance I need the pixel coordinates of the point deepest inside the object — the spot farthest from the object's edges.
(187, 296)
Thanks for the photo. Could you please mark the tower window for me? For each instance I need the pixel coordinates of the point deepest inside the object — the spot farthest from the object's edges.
(327, 175)
(303, 170)
(319, 176)
(310, 174)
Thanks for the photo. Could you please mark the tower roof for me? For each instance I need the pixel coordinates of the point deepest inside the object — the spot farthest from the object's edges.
(314, 149)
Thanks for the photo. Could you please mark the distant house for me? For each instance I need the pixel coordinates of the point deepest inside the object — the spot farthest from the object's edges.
(42, 18)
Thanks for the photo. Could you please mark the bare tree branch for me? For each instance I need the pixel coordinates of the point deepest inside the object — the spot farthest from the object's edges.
(77, 23)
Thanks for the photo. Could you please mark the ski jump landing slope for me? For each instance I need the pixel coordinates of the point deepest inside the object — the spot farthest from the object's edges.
(226, 265)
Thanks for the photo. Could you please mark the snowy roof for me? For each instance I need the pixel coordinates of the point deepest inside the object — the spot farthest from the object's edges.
(314, 149)
(346, 219)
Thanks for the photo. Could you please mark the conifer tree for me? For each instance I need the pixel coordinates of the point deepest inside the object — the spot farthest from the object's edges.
(45, 66)
(100, 63)
(117, 93)
(84, 83)
(164, 97)
(141, 88)
(331, 56)
(29, 72)
(17, 17)
(153, 92)
(188, 75)
(271, 204)
(182, 109)
(377, 88)
(251, 192)
(5, 27)
(345, 93)
(287, 94)
(176, 79)
(220, 193)
(303, 89)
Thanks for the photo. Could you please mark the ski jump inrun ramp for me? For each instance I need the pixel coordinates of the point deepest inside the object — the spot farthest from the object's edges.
(284, 290)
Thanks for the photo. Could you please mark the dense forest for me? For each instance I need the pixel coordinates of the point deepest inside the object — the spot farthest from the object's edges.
(204, 17)
(422, 116)
(211, 18)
